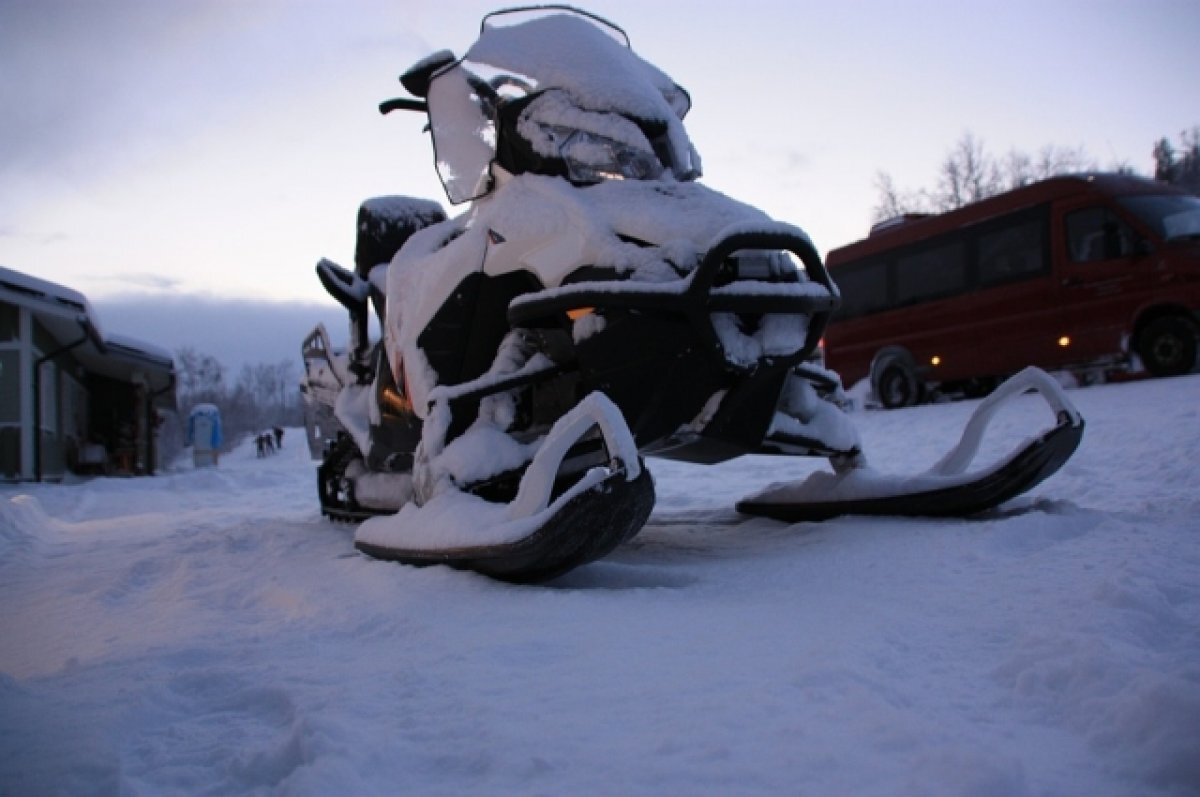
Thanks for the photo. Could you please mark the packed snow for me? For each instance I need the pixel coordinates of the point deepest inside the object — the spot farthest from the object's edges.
(205, 631)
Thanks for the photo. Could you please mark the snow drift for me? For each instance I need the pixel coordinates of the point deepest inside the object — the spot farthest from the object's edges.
(205, 632)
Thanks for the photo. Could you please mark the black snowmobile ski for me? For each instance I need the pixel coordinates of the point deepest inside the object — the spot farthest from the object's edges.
(549, 526)
(946, 489)
(586, 528)
(1028, 467)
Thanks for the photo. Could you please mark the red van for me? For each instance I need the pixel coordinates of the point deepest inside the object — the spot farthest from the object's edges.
(1093, 273)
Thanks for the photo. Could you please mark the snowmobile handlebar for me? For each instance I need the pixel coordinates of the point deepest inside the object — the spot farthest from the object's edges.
(403, 104)
(705, 300)
(702, 296)
(778, 239)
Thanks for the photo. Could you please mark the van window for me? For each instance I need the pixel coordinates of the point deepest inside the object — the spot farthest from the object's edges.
(1014, 252)
(1095, 234)
(930, 273)
(1170, 216)
(864, 288)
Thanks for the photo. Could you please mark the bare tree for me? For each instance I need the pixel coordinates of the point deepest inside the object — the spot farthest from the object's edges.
(264, 395)
(1180, 166)
(1054, 160)
(1164, 160)
(969, 173)
(270, 388)
(893, 202)
(1020, 168)
(200, 376)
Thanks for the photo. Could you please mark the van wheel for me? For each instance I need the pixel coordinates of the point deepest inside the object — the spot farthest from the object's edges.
(978, 387)
(1167, 346)
(897, 385)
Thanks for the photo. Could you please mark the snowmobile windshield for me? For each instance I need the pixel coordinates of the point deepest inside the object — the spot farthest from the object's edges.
(588, 104)
(1171, 216)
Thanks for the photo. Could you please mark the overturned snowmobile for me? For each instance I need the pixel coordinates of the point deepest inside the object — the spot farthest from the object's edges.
(593, 306)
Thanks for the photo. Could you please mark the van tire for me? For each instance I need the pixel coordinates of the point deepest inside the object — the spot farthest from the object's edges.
(1167, 346)
(979, 387)
(897, 385)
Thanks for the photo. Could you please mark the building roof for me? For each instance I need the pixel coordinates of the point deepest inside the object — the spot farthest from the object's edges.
(72, 322)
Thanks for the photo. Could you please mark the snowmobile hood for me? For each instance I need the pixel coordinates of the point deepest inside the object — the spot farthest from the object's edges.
(643, 231)
(648, 231)
(517, 56)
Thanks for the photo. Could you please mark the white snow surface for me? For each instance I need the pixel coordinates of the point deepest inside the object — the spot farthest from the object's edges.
(206, 632)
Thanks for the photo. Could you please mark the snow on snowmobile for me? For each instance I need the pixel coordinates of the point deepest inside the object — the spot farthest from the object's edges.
(593, 306)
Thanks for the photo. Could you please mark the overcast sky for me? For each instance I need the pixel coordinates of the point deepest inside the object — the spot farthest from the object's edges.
(221, 147)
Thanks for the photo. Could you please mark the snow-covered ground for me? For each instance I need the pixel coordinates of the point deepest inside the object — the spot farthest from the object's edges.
(206, 632)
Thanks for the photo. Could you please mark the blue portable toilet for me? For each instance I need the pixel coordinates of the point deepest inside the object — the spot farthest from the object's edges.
(204, 434)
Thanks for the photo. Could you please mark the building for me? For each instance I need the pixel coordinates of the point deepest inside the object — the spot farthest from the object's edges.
(72, 398)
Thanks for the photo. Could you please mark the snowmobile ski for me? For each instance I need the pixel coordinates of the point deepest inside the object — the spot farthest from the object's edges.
(946, 489)
(545, 530)
(585, 528)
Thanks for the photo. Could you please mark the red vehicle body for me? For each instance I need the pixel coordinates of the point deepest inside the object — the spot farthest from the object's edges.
(1092, 273)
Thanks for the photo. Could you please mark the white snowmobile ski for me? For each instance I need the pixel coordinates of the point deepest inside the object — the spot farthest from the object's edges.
(947, 488)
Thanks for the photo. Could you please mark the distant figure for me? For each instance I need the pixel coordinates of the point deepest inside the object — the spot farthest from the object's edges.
(278, 437)
(265, 444)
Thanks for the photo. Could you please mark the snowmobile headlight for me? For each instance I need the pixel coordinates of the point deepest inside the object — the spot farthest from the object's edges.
(591, 158)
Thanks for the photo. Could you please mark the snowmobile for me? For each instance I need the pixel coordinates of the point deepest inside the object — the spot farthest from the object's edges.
(594, 305)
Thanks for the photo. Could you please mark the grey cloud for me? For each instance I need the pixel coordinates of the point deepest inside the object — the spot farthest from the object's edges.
(145, 280)
(236, 332)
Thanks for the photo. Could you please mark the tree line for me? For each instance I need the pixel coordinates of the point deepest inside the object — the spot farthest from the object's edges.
(970, 173)
(1179, 165)
(263, 396)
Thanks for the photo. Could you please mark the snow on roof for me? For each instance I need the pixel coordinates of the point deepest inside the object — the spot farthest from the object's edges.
(140, 348)
(49, 296)
(69, 307)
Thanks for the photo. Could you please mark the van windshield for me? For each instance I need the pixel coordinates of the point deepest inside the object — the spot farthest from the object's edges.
(1172, 217)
